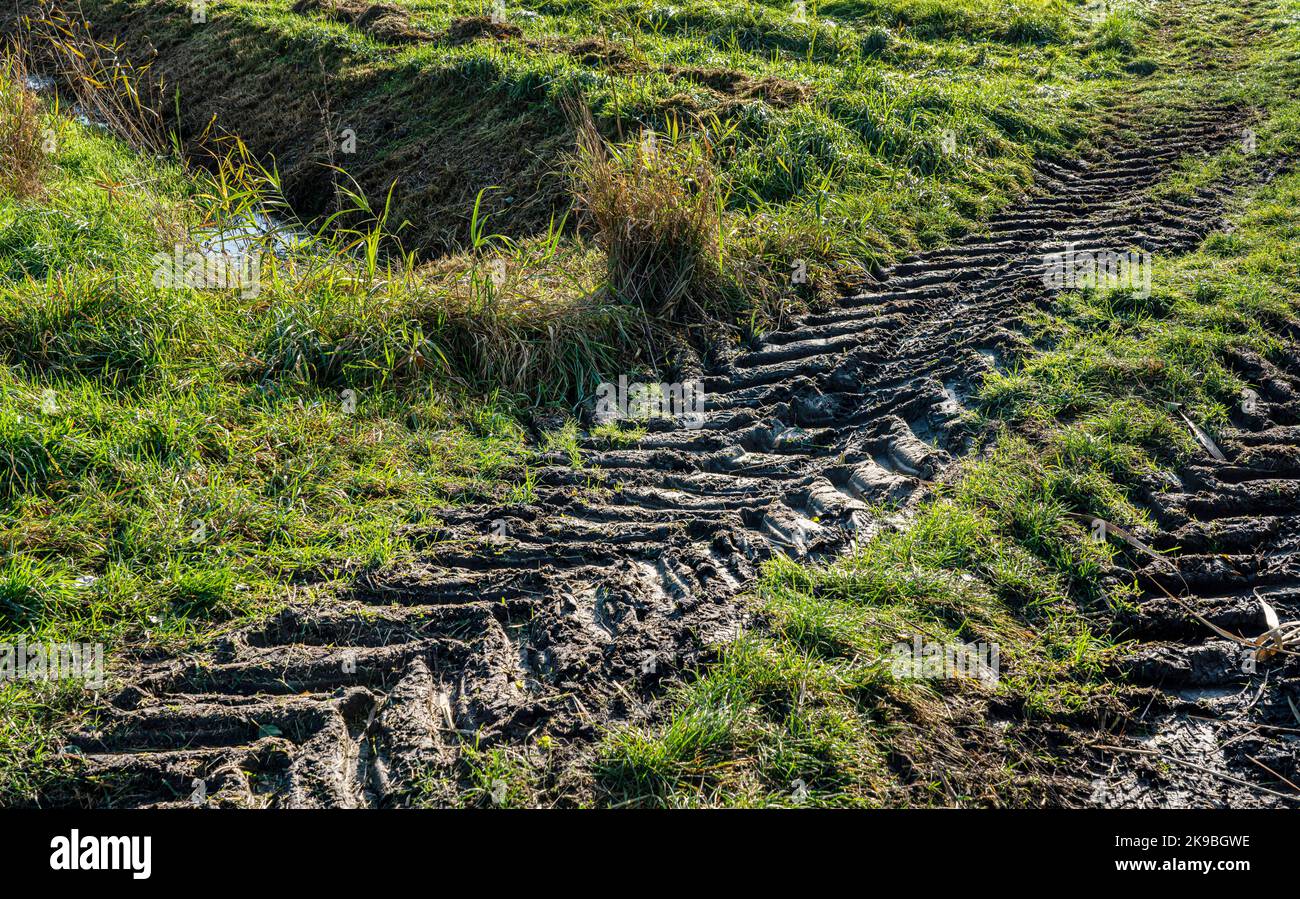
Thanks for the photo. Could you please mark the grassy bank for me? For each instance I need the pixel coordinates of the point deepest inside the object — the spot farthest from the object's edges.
(838, 134)
(178, 454)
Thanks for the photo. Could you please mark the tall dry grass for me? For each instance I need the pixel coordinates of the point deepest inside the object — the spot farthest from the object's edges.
(107, 86)
(655, 207)
(22, 151)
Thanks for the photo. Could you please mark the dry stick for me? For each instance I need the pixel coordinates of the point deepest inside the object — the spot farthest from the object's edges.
(1257, 643)
(1236, 638)
(1258, 694)
(1250, 732)
(1201, 768)
(1254, 726)
(1204, 439)
(1274, 773)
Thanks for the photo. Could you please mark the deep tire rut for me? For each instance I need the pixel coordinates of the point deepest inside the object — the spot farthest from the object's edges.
(1223, 730)
(624, 572)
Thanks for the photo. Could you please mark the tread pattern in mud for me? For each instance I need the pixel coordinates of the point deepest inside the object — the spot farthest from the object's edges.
(1224, 728)
(624, 571)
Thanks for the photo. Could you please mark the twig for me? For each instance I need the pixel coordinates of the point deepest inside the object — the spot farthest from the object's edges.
(1280, 634)
(1274, 773)
(1201, 768)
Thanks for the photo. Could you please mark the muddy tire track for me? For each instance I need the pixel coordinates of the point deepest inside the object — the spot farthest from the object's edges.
(625, 571)
(1223, 727)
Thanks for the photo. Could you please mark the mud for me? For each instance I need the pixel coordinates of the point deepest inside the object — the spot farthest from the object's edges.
(1223, 729)
(381, 21)
(777, 92)
(564, 616)
(472, 28)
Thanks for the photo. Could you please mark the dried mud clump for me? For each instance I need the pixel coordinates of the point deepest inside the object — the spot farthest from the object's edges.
(471, 28)
(599, 52)
(775, 91)
(382, 21)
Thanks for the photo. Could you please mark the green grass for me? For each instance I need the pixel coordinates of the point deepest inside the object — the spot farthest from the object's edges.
(176, 460)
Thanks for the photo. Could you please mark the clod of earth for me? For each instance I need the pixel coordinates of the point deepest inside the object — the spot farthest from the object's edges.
(382, 21)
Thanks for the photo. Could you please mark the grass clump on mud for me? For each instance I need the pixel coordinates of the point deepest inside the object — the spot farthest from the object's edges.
(657, 216)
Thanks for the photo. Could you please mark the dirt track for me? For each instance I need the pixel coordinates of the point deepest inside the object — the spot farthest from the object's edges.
(1225, 722)
(622, 573)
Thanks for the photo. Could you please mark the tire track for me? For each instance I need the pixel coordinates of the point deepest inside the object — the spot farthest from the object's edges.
(623, 572)
(1224, 729)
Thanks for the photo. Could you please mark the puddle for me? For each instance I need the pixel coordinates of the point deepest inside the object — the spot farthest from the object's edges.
(39, 83)
(246, 235)
(993, 358)
(238, 239)
(45, 84)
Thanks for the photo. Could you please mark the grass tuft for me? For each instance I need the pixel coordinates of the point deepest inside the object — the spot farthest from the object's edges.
(22, 150)
(656, 209)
